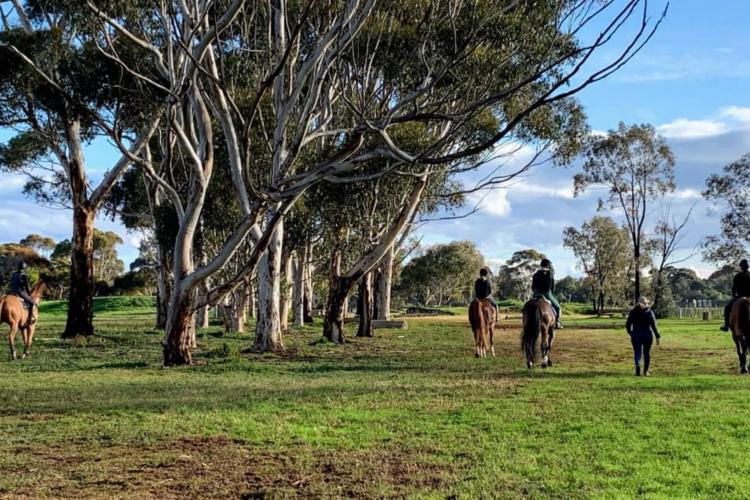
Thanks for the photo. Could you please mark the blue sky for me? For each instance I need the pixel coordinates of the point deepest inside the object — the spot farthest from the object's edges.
(691, 81)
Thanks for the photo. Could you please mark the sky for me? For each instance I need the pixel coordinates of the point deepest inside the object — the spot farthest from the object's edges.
(691, 82)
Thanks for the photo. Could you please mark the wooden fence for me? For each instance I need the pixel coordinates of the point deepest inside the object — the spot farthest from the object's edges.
(700, 312)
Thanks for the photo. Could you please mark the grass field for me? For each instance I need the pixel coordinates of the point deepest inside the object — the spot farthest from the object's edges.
(407, 413)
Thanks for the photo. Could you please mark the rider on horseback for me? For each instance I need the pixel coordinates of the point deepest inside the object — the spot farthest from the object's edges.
(740, 288)
(543, 284)
(19, 286)
(483, 288)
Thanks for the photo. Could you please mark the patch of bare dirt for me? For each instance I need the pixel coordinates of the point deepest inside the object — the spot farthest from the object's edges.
(220, 468)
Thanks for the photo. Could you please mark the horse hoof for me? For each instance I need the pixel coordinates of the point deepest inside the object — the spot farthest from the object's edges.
(529, 365)
(743, 370)
(549, 363)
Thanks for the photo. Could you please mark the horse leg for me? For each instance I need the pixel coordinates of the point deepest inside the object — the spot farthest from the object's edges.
(741, 353)
(551, 338)
(545, 349)
(26, 341)
(12, 340)
(492, 340)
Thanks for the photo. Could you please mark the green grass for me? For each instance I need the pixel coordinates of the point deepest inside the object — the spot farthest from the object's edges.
(407, 413)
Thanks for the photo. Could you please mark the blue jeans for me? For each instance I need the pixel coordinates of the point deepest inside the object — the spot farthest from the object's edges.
(642, 347)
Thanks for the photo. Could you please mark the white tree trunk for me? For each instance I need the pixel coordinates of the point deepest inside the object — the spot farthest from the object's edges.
(268, 327)
(309, 294)
(202, 314)
(298, 283)
(287, 289)
(235, 310)
(252, 304)
(193, 340)
(384, 286)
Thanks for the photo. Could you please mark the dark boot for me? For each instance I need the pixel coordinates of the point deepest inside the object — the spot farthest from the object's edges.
(724, 328)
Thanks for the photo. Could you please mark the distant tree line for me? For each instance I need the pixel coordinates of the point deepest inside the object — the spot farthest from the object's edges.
(444, 274)
(50, 260)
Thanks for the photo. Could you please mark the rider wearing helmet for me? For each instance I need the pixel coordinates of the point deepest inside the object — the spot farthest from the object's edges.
(740, 288)
(19, 286)
(483, 287)
(543, 284)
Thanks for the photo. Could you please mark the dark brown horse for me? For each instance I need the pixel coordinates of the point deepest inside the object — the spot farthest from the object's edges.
(538, 321)
(13, 312)
(482, 320)
(739, 323)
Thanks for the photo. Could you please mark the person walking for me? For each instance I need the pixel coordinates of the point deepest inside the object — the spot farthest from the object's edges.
(641, 326)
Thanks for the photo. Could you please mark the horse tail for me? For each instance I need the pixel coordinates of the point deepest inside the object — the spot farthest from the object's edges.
(532, 318)
(477, 320)
(743, 318)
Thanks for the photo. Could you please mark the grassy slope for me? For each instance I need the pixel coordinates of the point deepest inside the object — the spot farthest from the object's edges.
(409, 412)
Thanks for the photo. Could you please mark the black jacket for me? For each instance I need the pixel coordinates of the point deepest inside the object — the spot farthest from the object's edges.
(482, 289)
(642, 322)
(741, 284)
(19, 282)
(543, 281)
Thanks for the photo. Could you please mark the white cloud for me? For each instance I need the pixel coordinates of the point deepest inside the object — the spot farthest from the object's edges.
(535, 190)
(739, 113)
(12, 183)
(686, 194)
(494, 202)
(683, 128)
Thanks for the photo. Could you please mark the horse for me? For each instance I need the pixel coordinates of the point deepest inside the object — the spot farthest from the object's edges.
(482, 320)
(538, 319)
(14, 313)
(739, 323)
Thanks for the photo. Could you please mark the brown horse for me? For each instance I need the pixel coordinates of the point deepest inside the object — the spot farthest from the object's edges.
(13, 312)
(482, 320)
(538, 320)
(739, 323)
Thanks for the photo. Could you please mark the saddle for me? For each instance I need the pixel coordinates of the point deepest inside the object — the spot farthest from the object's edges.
(538, 296)
(24, 303)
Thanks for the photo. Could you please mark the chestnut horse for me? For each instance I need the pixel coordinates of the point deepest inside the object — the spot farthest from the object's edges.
(538, 320)
(13, 312)
(482, 320)
(739, 323)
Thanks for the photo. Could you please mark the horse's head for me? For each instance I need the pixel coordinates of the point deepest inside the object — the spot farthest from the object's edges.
(38, 291)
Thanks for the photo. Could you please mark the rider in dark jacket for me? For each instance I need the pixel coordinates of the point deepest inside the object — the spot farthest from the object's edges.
(483, 287)
(19, 286)
(641, 326)
(740, 288)
(543, 283)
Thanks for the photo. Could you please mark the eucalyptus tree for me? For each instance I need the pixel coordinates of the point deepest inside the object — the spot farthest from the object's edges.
(282, 82)
(470, 77)
(442, 274)
(665, 244)
(43, 245)
(514, 276)
(58, 93)
(637, 167)
(602, 249)
(727, 191)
